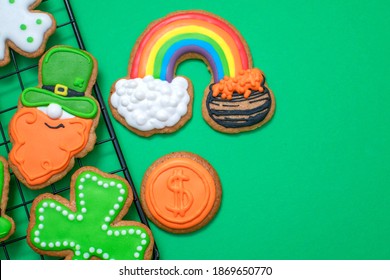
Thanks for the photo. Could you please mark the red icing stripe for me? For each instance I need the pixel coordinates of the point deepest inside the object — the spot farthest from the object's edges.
(182, 16)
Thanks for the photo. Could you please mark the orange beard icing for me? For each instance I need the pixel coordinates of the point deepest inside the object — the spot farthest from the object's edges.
(42, 146)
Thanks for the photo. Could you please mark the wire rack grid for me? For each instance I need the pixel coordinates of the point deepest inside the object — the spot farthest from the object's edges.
(107, 154)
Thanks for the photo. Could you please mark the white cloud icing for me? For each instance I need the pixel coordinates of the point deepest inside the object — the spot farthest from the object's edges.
(150, 103)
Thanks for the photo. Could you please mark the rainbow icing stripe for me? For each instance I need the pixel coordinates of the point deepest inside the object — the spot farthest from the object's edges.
(167, 40)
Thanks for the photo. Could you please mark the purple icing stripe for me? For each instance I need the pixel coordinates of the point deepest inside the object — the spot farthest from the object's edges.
(208, 53)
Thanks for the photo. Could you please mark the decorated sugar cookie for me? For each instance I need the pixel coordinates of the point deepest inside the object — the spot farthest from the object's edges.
(181, 192)
(7, 225)
(55, 122)
(152, 99)
(90, 224)
(23, 29)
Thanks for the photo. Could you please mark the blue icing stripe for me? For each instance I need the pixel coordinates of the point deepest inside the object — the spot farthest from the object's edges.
(191, 46)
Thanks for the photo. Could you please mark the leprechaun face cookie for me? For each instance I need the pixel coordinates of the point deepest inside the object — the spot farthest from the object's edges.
(7, 225)
(56, 121)
(150, 100)
(23, 29)
(90, 225)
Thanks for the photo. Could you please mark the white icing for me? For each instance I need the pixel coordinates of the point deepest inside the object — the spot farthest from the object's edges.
(26, 29)
(55, 112)
(151, 103)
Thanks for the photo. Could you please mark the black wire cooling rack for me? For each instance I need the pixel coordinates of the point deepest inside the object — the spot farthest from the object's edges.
(15, 73)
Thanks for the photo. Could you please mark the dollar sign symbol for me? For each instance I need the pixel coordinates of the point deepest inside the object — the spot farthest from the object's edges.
(182, 198)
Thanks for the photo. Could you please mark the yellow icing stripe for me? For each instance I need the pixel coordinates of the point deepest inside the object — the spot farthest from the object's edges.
(190, 29)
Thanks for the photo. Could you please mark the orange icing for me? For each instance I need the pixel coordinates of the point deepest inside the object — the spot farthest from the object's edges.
(39, 152)
(247, 80)
(180, 193)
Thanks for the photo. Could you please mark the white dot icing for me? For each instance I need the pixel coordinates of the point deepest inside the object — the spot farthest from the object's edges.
(151, 103)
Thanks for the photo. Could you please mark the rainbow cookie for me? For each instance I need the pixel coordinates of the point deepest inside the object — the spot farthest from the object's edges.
(7, 225)
(23, 29)
(55, 122)
(152, 100)
(89, 225)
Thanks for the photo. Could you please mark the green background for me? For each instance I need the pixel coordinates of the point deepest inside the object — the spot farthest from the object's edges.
(314, 183)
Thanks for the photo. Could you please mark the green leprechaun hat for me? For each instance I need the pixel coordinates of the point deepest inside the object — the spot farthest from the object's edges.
(66, 74)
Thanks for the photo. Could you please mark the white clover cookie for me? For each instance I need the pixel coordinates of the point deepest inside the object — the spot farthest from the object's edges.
(23, 29)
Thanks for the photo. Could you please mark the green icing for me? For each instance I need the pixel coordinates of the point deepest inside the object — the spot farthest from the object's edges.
(88, 231)
(5, 225)
(23, 27)
(83, 107)
(30, 39)
(11, 1)
(1, 179)
(164, 48)
(38, 21)
(66, 66)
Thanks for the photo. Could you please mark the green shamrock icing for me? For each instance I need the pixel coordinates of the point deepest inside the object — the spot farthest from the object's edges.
(92, 230)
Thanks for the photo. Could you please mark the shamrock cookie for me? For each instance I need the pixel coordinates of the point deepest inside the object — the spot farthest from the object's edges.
(153, 100)
(181, 192)
(23, 29)
(90, 225)
(7, 225)
(55, 122)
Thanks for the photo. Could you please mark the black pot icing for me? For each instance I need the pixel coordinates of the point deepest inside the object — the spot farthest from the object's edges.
(239, 112)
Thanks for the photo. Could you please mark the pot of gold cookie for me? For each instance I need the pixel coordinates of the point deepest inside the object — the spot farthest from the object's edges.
(242, 102)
